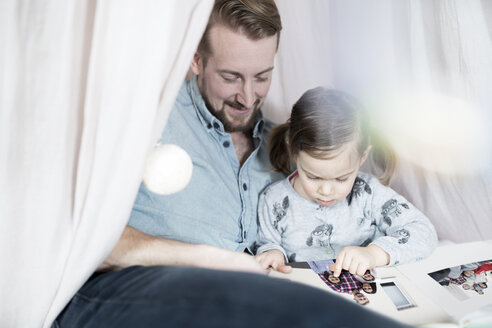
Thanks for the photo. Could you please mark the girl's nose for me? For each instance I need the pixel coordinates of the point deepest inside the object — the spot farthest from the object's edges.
(326, 188)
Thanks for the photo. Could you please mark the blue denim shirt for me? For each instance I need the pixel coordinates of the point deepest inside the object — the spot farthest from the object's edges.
(219, 205)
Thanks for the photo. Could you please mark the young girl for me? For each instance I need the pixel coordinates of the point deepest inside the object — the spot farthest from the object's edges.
(326, 208)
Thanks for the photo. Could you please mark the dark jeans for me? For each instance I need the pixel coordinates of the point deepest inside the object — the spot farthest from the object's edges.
(165, 296)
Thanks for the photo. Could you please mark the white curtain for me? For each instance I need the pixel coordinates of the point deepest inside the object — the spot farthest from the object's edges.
(424, 69)
(85, 90)
(86, 86)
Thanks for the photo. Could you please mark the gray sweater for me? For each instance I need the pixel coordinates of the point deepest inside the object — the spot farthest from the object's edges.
(371, 214)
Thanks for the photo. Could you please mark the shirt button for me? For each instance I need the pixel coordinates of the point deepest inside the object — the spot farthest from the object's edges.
(226, 144)
(209, 126)
(245, 187)
(216, 125)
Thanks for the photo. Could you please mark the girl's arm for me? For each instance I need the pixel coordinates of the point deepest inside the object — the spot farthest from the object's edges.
(404, 232)
(269, 237)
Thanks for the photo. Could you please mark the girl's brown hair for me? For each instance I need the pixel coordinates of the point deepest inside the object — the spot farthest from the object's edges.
(323, 120)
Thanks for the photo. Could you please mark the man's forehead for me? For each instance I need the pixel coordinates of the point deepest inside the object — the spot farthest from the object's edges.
(220, 32)
(234, 51)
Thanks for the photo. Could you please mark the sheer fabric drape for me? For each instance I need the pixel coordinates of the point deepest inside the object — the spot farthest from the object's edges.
(437, 53)
(86, 87)
(85, 90)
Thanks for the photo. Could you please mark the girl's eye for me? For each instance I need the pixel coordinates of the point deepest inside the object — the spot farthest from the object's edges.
(342, 180)
(312, 178)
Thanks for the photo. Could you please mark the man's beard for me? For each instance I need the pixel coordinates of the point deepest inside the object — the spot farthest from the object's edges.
(245, 126)
(220, 114)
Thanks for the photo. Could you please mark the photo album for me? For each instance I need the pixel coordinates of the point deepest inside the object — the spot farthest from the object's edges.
(452, 286)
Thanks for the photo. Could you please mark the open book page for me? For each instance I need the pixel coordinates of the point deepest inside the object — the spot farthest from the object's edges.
(407, 292)
(412, 308)
(457, 277)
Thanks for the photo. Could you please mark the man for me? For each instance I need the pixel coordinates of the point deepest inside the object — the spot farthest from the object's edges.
(360, 298)
(212, 222)
(217, 120)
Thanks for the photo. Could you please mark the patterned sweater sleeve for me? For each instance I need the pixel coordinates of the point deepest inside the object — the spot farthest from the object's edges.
(404, 232)
(268, 218)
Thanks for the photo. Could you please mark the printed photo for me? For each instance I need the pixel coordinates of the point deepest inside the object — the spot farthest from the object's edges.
(357, 286)
(465, 281)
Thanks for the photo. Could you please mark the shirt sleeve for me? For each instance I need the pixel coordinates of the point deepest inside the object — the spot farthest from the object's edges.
(269, 236)
(406, 234)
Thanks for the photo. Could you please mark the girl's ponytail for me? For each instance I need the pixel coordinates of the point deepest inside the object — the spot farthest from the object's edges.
(277, 147)
(382, 159)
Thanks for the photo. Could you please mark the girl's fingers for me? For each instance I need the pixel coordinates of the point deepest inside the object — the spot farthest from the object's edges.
(347, 263)
(354, 265)
(361, 269)
(339, 264)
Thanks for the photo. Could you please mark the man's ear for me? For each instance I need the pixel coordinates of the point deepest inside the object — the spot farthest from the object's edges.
(365, 155)
(196, 64)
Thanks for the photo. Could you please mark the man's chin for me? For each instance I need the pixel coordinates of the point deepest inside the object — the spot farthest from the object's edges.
(237, 128)
(240, 126)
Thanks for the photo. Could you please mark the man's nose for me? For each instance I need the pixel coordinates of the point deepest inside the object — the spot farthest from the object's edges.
(247, 96)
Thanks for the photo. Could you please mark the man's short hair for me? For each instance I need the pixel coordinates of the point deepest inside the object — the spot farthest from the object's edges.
(257, 19)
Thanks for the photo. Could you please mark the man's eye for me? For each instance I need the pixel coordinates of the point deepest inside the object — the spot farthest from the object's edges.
(342, 179)
(261, 79)
(229, 78)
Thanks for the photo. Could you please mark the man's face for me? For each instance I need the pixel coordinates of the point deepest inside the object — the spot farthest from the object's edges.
(360, 298)
(236, 77)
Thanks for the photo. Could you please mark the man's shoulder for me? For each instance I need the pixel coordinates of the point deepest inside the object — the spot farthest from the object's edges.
(183, 106)
(181, 120)
(268, 124)
(183, 98)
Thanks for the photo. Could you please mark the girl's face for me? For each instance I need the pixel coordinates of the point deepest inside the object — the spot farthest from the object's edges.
(333, 279)
(367, 287)
(328, 181)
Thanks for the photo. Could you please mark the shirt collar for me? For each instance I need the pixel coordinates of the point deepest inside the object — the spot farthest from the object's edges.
(208, 119)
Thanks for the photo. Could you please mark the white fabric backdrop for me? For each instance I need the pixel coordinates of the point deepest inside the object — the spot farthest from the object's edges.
(375, 49)
(85, 89)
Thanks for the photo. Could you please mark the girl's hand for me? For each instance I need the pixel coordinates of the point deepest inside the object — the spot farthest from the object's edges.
(357, 260)
(273, 259)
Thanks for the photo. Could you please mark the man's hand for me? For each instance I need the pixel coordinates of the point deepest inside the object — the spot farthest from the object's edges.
(357, 260)
(273, 259)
